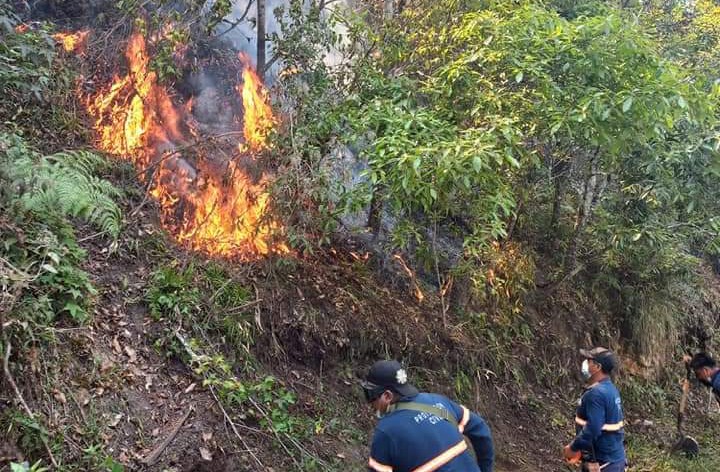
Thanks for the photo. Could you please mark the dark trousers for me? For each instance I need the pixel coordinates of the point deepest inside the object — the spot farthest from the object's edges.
(614, 467)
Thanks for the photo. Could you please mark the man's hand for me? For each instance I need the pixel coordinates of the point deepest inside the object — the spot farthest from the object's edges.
(571, 457)
(685, 385)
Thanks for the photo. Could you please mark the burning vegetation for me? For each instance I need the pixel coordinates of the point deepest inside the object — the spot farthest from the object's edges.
(258, 117)
(73, 42)
(210, 201)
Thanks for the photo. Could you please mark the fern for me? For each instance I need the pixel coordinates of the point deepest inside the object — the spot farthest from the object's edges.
(61, 184)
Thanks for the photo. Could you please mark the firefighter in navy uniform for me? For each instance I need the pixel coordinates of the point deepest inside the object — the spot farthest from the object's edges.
(422, 432)
(706, 371)
(598, 444)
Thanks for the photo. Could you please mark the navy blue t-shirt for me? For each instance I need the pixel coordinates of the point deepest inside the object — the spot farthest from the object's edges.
(715, 381)
(600, 424)
(408, 440)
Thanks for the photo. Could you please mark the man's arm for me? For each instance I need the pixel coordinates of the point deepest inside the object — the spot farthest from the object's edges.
(595, 410)
(380, 459)
(479, 434)
(474, 427)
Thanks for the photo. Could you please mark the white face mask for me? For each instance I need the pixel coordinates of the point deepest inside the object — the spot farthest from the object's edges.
(586, 369)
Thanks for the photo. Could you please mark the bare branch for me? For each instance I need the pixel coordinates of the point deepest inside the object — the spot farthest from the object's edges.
(234, 24)
(21, 400)
(157, 452)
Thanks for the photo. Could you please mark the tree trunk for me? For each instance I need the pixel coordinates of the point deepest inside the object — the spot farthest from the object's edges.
(560, 178)
(583, 212)
(375, 213)
(510, 228)
(388, 9)
(261, 38)
(460, 293)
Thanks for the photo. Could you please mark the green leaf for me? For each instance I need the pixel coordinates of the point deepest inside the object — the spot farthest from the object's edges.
(636, 236)
(519, 77)
(77, 312)
(627, 104)
(681, 102)
(477, 163)
(691, 206)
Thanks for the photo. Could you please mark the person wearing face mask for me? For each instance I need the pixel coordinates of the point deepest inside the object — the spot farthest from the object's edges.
(422, 432)
(599, 419)
(706, 371)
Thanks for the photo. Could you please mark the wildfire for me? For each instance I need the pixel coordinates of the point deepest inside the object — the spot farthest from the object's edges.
(72, 42)
(209, 205)
(227, 215)
(258, 119)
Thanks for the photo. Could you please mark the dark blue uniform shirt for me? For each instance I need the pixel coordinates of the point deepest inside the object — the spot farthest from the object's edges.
(715, 380)
(408, 440)
(715, 385)
(599, 424)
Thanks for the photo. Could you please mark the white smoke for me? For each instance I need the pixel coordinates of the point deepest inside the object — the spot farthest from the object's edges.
(243, 36)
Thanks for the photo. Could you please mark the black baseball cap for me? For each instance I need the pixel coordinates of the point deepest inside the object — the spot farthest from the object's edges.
(387, 375)
(602, 356)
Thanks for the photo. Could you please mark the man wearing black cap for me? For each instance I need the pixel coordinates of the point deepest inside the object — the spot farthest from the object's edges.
(599, 417)
(706, 371)
(422, 432)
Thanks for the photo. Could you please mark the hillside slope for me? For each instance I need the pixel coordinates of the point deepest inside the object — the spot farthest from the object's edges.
(167, 305)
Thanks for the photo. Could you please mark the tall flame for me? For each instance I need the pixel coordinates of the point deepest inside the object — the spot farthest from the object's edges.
(209, 206)
(258, 119)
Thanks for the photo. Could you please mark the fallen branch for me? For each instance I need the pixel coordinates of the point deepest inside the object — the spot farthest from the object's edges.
(294, 441)
(91, 237)
(178, 151)
(277, 436)
(258, 312)
(234, 428)
(18, 395)
(195, 358)
(222, 287)
(239, 308)
(155, 454)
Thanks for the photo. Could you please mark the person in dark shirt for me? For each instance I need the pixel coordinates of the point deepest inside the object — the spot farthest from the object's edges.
(707, 372)
(599, 421)
(422, 432)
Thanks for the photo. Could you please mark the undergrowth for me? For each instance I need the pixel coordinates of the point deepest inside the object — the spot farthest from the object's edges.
(44, 197)
(41, 277)
(646, 454)
(209, 325)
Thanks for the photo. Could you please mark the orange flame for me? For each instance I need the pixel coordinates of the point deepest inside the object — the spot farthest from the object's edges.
(258, 119)
(212, 207)
(72, 42)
